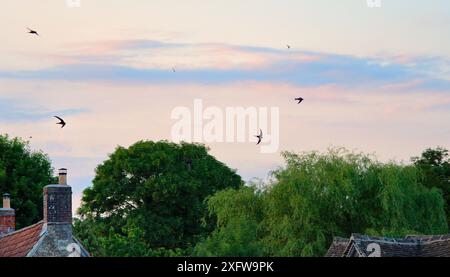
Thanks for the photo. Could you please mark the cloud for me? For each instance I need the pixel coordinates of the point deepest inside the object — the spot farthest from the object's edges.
(344, 71)
(150, 62)
(13, 110)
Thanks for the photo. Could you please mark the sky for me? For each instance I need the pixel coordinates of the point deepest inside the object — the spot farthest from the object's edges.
(375, 80)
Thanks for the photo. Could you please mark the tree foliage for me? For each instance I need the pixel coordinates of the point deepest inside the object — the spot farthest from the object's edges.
(23, 174)
(434, 165)
(239, 213)
(318, 196)
(148, 199)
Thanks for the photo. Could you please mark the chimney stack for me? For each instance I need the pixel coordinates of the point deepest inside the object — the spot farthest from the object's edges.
(58, 206)
(7, 216)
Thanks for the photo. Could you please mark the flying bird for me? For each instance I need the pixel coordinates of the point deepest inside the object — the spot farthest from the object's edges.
(61, 121)
(260, 137)
(33, 32)
(300, 100)
(288, 46)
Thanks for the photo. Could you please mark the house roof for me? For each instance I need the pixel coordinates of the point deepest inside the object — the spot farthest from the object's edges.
(338, 247)
(434, 246)
(410, 246)
(388, 247)
(19, 243)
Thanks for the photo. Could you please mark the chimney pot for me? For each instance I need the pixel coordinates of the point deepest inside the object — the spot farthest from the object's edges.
(62, 176)
(6, 201)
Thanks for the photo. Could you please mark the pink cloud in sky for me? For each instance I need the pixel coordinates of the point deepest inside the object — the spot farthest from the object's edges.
(163, 55)
(410, 84)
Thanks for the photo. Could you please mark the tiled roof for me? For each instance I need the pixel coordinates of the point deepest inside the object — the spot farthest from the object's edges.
(338, 247)
(411, 246)
(388, 247)
(19, 243)
(434, 246)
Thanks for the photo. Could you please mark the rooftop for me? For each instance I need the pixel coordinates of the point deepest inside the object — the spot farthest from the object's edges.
(410, 246)
(20, 243)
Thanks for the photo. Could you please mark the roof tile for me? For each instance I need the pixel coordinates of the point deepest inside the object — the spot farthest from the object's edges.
(19, 243)
(411, 246)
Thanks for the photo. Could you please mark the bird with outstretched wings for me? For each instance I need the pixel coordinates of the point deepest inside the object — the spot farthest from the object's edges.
(61, 121)
(33, 32)
(299, 99)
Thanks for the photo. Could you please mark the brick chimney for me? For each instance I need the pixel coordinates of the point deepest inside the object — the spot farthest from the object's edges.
(58, 207)
(7, 216)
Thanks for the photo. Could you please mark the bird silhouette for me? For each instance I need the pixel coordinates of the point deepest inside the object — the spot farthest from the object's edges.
(260, 137)
(61, 121)
(288, 46)
(300, 100)
(33, 32)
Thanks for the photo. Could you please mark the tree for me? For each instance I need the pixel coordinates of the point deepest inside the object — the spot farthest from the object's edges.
(435, 167)
(317, 196)
(151, 197)
(23, 174)
(239, 213)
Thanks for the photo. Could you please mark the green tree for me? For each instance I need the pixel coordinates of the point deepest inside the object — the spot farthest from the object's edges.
(317, 196)
(435, 167)
(151, 197)
(23, 174)
(238, 213)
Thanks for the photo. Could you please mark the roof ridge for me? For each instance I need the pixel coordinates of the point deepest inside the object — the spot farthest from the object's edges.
(341, 239)
(430, 240)
(387, 240)
(21, 230)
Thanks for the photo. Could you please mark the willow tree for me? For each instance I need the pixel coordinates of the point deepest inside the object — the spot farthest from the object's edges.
(317, 196)
(434, 165)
